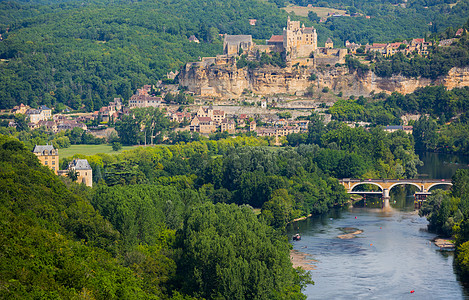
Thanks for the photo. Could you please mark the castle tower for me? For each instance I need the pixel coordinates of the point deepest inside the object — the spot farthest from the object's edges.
(298, 40)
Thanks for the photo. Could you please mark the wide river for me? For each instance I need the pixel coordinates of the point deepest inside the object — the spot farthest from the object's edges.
(390, 258)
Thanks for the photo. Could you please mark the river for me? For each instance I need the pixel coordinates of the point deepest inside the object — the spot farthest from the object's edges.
(390, 258)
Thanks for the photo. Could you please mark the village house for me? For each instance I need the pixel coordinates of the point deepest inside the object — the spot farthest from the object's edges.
(179, 116)
(142, 98)
(83, 169)
(203, 125)
(70, 124)
(192, 38)
(252, 126)
(48, 156)
(228, 125)
(48, 125)
(41, 114)
(216, 115)
(352, 47)
(265, 132)
(20, 109)
(242, 120)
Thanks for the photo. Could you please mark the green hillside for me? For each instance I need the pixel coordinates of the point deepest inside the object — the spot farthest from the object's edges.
(85, 53)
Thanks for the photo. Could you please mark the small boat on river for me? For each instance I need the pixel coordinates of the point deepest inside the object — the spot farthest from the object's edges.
(297, 237)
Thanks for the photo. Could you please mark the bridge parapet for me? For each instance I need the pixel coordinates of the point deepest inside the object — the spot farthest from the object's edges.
(386, 185)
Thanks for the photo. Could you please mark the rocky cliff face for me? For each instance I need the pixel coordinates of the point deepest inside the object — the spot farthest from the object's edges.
(227, 81)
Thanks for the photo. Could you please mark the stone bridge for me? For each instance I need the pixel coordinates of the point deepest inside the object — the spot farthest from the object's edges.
(424, 185)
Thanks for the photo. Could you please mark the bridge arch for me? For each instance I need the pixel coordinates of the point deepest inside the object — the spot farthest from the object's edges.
(419, 187)
(439, 183)
(366, 182)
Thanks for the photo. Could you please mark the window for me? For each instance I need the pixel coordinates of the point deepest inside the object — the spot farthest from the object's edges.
(46, 162)
(53, 162)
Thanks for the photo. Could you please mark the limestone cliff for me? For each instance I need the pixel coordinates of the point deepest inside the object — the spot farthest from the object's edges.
(227, 81)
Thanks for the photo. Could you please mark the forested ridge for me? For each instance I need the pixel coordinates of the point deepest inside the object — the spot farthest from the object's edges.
(86, 54)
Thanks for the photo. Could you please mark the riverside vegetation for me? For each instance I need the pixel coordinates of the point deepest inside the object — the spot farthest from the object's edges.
(448, 214)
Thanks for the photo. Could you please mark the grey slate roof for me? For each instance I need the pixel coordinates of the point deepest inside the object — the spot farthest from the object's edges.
(236, 39)
(80, 164)
(41, 148)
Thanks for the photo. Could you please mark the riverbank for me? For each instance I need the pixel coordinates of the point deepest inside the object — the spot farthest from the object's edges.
(300, 259)
(301, 218)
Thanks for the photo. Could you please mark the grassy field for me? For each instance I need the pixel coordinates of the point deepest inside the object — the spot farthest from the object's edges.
(320, 11)
(90, 150)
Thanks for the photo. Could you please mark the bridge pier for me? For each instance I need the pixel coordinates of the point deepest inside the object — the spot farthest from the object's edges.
(386, 194)
(386, 203)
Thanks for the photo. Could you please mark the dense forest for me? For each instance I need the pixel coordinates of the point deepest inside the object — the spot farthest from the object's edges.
(83, 54)
(392, 18)
(444, 125)
(166, 241)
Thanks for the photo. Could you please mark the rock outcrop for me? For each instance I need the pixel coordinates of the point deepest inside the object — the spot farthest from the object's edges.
(227, 81)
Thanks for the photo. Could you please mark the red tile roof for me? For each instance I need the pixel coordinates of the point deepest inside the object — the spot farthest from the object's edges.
(276, 39)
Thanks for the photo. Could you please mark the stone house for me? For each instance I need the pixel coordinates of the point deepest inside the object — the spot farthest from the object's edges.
(203, 125)
(48, 156)
(20, 109)
(83, 169)
(48, 125)
(233, 43)
(228, 125)
(216, 115)
(252, 126)
(192, 38)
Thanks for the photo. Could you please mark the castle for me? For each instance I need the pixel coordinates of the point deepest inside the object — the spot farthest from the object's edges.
(299, 43)
(220, 76)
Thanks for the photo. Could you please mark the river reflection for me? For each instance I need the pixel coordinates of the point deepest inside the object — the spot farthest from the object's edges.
(392, 256)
